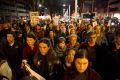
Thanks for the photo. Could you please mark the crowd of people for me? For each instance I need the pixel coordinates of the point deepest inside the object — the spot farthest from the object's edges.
(67, 51)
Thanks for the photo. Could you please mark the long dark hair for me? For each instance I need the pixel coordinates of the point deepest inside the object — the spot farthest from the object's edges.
(82, 53)
(51, 53)
(46, 41)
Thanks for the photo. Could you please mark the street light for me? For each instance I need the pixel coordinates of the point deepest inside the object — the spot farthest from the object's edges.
(93, 6)
(76, 6)
(40, 5)
(63, 8)
(64, 5)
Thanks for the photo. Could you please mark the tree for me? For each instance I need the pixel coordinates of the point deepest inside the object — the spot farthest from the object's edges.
(103, 4)
(31, 5)
(81, 2)
(54, 6)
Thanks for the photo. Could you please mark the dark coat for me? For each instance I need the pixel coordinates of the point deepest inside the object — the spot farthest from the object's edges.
(112, 62)
(13, 54)
(2, 55)
(95, 55)
(89, 74)
(45, 65)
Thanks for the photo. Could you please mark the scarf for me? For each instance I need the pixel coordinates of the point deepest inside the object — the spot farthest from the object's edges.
(60, 52)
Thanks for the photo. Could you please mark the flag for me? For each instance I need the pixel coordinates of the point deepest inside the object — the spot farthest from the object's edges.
(66, 16)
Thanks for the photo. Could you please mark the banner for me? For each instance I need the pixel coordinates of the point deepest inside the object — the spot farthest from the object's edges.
(94, 23)
(33, 73)
(66, 16)
(34, 18)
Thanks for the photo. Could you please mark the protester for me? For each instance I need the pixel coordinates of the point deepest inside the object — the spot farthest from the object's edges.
(13, 52)
(101, 38)
(112, 59)
(80, 69)
(61, 49)
(49, 58)
(45, 60)
(73, 42)
(29, 50)
(69, 58)
(94, 50)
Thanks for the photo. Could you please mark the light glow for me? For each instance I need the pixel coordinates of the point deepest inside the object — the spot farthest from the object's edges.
(117, 15)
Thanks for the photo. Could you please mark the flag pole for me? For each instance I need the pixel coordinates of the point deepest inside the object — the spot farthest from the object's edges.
(76, 9)
(69, 11)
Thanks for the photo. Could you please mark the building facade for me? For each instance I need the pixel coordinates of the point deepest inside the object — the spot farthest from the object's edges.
(114, 6)
(88, 6)
(10, 9)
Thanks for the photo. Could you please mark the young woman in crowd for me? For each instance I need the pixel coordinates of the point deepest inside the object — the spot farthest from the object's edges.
(61, 48)
(80, 70)
(45, 60)
(52, 37)
(29, 50)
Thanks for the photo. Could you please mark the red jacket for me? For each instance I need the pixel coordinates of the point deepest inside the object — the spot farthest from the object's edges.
(28, 53)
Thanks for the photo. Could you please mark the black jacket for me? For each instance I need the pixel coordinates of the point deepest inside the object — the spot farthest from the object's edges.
(13, 54)
(112, 62)
(45, 65)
